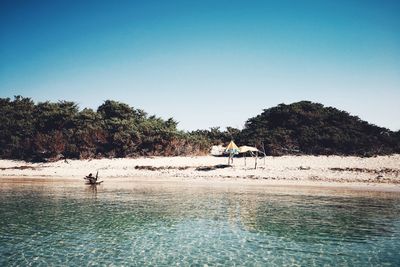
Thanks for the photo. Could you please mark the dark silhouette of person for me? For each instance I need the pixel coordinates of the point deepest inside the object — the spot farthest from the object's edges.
(91, 178)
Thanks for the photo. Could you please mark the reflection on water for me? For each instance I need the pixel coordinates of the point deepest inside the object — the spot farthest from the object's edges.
(92, 189)
(145, 224)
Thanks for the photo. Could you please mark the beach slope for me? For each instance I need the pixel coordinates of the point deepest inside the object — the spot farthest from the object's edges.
(381, 169)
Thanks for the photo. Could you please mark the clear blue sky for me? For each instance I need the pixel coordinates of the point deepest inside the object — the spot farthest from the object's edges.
(205, 63)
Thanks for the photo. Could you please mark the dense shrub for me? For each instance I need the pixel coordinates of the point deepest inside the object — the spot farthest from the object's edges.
(46, 131)
(310, 128)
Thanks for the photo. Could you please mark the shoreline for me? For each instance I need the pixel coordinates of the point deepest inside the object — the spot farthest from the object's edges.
(289, 185)
(216, 182)
(382, 172)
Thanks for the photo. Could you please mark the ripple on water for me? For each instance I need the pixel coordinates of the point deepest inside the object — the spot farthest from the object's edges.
(195, 226)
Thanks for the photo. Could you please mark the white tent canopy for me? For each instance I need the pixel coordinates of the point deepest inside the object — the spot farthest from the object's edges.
(244, 149)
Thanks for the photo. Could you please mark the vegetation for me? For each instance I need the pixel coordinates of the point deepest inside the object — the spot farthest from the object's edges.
(215, 136)
(310, 128)
(50, 131)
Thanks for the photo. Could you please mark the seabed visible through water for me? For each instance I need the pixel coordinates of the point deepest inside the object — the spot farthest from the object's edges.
(139, 223)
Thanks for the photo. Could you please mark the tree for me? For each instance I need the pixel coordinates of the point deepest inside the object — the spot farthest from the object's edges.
(121, 124)
(311, 128)
(49, 130)
(16, 127)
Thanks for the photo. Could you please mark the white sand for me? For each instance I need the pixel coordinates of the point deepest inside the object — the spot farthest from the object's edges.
(297, 169)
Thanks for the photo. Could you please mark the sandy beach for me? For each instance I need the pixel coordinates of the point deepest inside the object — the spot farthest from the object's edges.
(290, 170)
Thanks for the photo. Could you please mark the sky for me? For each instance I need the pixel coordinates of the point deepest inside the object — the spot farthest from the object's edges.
(205, 63)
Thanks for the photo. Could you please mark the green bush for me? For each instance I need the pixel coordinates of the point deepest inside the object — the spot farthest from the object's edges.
(46, 131)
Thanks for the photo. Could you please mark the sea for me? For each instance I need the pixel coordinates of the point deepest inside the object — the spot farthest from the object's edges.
(143, 223)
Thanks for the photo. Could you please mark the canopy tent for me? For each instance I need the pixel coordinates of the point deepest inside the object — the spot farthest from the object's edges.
(244, 149)
(232, 148)
(253, 152)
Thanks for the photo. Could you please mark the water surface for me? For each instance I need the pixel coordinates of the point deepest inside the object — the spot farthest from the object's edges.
(137, 223)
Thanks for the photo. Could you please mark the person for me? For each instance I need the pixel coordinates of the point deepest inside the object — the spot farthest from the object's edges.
(91, 178)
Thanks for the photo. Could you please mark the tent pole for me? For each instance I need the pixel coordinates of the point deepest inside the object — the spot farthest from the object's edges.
(255, 164)
(264, 152)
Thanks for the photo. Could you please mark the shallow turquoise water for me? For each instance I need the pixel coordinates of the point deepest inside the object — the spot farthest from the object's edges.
(136, 224)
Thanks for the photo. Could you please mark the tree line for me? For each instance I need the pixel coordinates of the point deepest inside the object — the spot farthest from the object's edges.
(50, 130)
(310, 128)
(55, 130)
